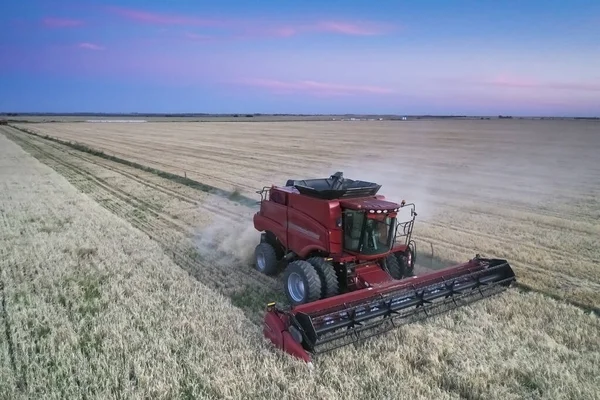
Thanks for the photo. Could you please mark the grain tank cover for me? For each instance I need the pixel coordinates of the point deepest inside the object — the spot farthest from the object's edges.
(334, 187)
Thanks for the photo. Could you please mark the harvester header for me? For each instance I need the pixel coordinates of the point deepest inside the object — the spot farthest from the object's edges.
(348, 265)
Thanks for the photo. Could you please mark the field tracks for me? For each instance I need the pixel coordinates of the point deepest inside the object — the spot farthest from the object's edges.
(82, 148)
(129, 195)
(172, 232)
(124, 320)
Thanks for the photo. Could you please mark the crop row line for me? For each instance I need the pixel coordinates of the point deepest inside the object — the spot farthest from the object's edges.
(173, 177)
(152, 232)
(204, 268)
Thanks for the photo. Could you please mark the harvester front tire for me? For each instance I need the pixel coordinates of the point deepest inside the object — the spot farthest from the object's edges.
(396, 269)
(330, 285)
(302, 282)
(407, 261)
(265, 258)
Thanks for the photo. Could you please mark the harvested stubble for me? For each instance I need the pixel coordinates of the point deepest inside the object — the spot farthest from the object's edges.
(518, 189)
(93, 307)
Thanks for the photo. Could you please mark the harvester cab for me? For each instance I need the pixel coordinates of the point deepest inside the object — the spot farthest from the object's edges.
(348, 265)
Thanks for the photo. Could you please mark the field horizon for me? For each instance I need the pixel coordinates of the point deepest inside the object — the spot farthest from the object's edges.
(41, 117)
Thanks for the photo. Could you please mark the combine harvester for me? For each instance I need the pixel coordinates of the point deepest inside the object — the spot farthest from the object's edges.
(348, 266)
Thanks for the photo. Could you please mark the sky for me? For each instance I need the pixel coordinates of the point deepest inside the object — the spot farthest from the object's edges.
(482, 57)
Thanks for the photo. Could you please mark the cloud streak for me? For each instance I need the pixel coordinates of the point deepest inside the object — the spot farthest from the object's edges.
(198, 37)
(509, 81)
(146, 17)
(90, 46)
(354, 29)
(314, 88)
(253, 28)
(51, 22)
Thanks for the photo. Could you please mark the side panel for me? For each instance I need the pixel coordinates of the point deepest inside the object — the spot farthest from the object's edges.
(272, 217)
(336, 241)
(313, 224)
(306, 234)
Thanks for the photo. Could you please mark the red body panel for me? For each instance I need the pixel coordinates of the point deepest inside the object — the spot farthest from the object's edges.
(372, 275)
(268, 220)
(304, 224)
(275, 328)
(338, 302)
(306, 234)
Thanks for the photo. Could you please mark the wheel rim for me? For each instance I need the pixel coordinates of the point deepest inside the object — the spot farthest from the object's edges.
(409, 259)
(260, 261)
(295, 285)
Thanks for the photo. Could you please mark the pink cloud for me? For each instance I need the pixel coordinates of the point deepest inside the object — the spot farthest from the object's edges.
(511, 81)
(343, 28)
(198, 37)
(253, 27)
(315, 88)
(253, 32)
(286, 31)
(161, 19)
(505, 80)
(354, 29)
(90, 46)
(61, 22)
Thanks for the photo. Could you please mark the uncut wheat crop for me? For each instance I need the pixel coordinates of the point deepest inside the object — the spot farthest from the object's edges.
(92, 307)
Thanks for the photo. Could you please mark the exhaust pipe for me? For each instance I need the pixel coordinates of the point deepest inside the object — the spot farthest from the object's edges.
(330, 323)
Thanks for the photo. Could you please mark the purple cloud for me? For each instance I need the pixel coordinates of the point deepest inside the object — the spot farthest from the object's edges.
(90, 46)
(354, 29)
(253, 28)
(342, 28)
(314, 88)
(505, 80)
(51, 22)
(198, 37)
(161, 19)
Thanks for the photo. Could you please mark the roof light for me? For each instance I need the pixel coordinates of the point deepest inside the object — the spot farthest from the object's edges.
(378, 211)
(372, 211)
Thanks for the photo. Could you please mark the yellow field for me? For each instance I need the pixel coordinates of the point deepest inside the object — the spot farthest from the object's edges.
(117, 282)
(523, 190)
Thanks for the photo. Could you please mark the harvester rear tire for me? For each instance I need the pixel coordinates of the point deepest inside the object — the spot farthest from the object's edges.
(311, 284)
(396, 269)
(265, 258)
(330, 285)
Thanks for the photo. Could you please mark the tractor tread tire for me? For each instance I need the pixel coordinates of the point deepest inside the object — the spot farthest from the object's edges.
(271, 263)
(395, 267)
(328, 276)
(312, 280)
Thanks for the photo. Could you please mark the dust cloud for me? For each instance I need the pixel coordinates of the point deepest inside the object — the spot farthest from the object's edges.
(229, 237)
(398, 182)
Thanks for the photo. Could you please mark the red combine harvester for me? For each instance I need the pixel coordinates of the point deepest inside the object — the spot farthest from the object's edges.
(348, 266)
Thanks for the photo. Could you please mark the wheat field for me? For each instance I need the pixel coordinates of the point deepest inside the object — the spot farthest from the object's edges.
(119, 283)
(524, 190)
